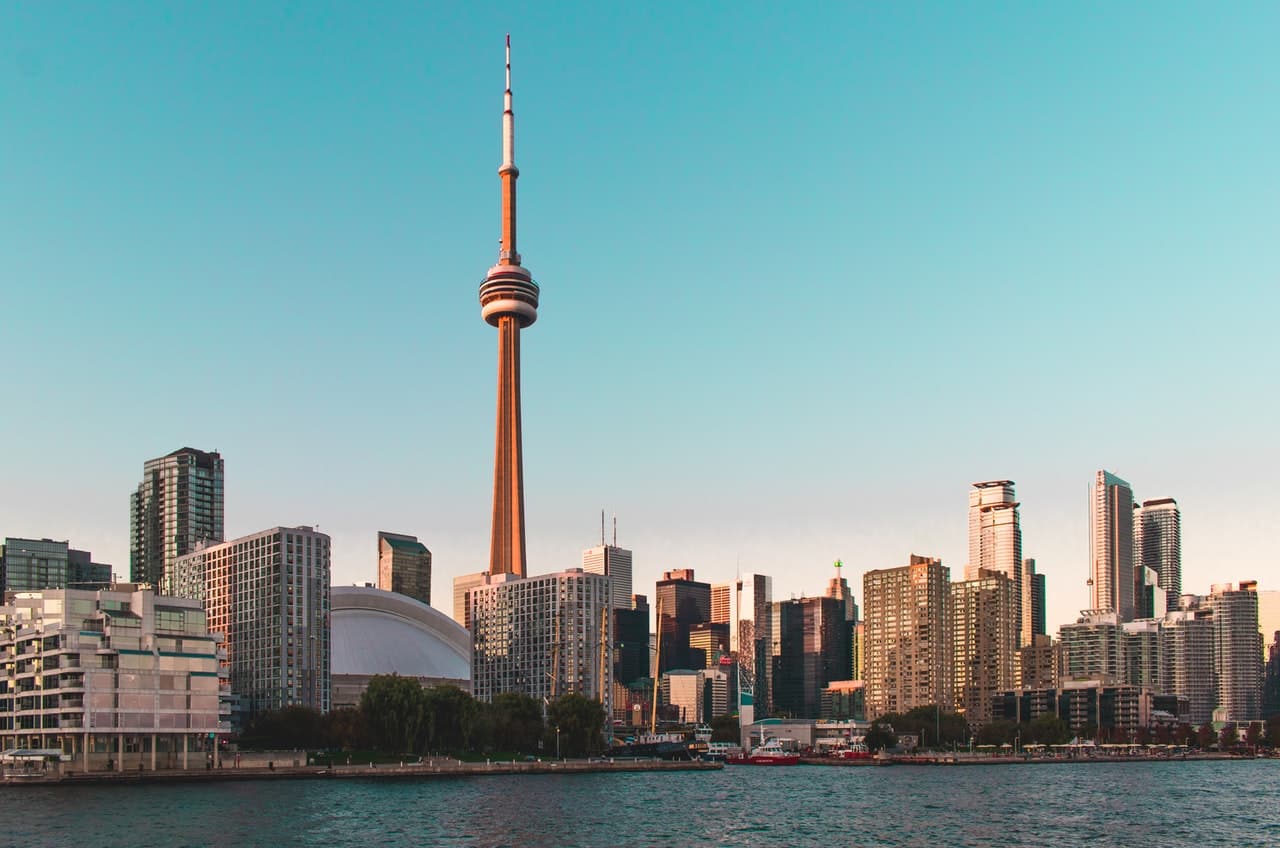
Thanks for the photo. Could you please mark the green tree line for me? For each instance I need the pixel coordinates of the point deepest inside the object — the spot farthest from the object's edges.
(399, 716)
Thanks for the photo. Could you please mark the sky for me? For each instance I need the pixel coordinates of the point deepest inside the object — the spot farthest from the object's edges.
(808, 271)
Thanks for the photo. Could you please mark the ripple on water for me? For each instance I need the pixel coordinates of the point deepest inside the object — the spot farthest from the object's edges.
(1201, 804)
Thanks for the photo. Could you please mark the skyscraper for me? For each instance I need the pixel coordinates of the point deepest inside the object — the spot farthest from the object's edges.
(508, 301)
(177, 505)
(743, 604)
(544, 636)
(1111, 578)
(684, 602)
(1186, 647)
(404, 566)
(268, 594)
(1237, 650)
(614, 562)
(809, 648)
(1037, 598)
(1157, 545)
(995, 544)
(907, 633)
(985, 643)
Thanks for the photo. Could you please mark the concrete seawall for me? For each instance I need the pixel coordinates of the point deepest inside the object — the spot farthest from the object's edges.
(437, 768)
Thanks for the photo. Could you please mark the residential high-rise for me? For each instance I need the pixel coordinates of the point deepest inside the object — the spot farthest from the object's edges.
(1143, 653)
(508, 301)
(29, 565)
(1037, 597)
(1157, 545)
(404, 566)
(1268, 616)
(462, 585)
(1237, 650)
(1186, 645)
(1111, 579)
(1038, 663)
(543, 636)
(1271, 682)
(177, 506)
(1093, 647)
(683, 602)
(615, 562)
(908, 647)
(268, 594)
(995, 544)
(983, 613)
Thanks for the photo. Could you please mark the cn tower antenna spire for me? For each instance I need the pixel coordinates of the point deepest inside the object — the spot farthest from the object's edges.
(509, 302)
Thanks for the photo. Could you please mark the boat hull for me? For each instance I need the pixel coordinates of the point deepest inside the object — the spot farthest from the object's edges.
(758, 760)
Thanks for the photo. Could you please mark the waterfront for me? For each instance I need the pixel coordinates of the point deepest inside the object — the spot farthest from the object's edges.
(1174, 803)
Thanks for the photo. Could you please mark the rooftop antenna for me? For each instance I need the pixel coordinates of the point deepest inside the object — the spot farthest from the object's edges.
(615, 529)
(602, 527)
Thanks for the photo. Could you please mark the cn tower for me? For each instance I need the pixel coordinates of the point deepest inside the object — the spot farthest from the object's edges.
(508, 301)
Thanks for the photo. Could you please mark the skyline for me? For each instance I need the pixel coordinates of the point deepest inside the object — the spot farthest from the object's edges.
(313, 209)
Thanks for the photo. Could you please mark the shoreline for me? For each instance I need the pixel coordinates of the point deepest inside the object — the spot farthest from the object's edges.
(962, 760)
(442, 768)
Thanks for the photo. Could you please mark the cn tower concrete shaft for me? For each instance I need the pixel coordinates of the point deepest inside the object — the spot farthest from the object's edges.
(508, 301)
(506, 549)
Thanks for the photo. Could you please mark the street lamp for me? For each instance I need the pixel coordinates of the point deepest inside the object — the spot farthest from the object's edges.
(557, 741)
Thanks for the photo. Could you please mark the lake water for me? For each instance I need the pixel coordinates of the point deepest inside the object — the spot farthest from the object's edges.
(1126, 804)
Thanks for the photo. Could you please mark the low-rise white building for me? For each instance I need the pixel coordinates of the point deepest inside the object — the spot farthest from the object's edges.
(115, 679)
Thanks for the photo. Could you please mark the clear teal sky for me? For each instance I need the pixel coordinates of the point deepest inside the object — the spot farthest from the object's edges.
(807, 272)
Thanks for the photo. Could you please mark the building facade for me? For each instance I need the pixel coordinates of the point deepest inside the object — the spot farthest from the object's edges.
(543, 636)
(1237, 650)
(682, 603)
(29, 565)
(177, 506)
(1111, 578)
(1186, 646)
(984, 615)
(809, 648)
(615, 562)
(1038, 598)
(404, 566)
(1157, 545)
(462, 586)
(268, 595)
(908, 651)
(631, 642)
(995, 543)
(1093, 648)
(115, 679)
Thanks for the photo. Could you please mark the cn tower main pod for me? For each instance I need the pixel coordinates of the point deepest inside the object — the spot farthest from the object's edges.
(508, 301)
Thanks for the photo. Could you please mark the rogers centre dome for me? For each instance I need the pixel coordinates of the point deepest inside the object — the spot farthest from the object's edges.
(373, 631)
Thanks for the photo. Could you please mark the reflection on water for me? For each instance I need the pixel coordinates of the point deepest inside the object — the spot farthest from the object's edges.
(1163, 803)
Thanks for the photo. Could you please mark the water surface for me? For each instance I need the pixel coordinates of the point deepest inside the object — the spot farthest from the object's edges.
(1169, 804)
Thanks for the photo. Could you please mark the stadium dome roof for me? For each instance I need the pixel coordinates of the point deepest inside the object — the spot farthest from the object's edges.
(378, 632)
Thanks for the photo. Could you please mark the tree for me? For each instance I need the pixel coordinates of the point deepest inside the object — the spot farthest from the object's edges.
(880, 736)
(577, 724)
(1048, 729)
(1229, 738)
(1273, 731)
(345, 728)
(725, 728)
(514, 723)
(394, 709)
(1186, 735)
(999, 732)
(935, 728)
(290, 727)
(1205, 736)
(1253, 734)
(449, 720)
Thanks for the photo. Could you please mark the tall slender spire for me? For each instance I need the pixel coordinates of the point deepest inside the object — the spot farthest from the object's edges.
(509, 172)
(508, 301)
